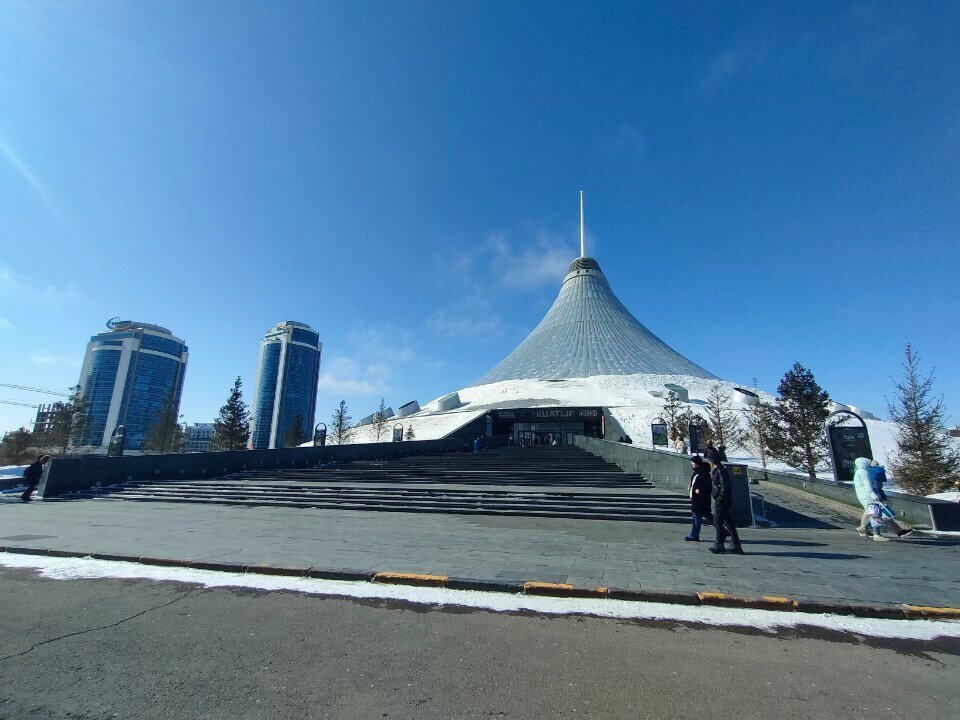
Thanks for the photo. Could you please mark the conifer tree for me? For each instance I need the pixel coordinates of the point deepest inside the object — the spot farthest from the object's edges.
(294, 435)
(231, 429)
(801, 411)
(723, 420)
(759, 431)
(410, 435)
(15, 444)
(341, 427)
(671, 415)
(926, 459)
(379, 424)
(166, 434)
(69, 423)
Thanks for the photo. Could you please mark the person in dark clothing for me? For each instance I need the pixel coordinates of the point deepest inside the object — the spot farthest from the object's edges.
(32, 475)
(722, 506)
(476, 446)
(710, 452)
(699, 497)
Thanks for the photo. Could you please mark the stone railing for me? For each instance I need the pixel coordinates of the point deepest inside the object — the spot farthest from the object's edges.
(69, 474)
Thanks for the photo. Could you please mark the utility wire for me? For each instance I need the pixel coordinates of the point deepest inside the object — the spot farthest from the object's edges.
(35, 389)
(15, 402)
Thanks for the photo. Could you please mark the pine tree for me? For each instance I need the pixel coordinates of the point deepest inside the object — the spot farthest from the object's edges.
(295, 434)
(671, 414)
(926, 460)
(166, 433)
(759, 431)
(724, 423)
(15, 444)
(801, 411)
(410, 435)
(231, 429)
(341, 428)
(69, 422)
(379, 424)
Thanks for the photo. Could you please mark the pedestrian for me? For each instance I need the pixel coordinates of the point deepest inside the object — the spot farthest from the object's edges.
(31, 476)
(722, 508)
(699, 497)
(476, 446)
(868, 479)
(710, 452)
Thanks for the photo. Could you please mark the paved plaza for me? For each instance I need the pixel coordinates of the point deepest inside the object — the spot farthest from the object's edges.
(814, 553)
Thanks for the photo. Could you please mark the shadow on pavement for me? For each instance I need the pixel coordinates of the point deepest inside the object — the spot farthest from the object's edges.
(811, 555)
(786, 518)
(790, 543)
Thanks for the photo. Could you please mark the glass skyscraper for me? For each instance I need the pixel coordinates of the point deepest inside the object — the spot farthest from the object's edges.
(286, 384)
(128, 375)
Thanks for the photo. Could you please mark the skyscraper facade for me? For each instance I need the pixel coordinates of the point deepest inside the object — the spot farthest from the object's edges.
(129, 375)
(286, 387)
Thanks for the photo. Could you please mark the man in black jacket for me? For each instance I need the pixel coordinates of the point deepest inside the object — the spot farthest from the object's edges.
(32, 475)
(722, 505)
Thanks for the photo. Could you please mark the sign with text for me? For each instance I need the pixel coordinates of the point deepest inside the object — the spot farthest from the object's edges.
(658, 432)
(846, 445)
(571, 414)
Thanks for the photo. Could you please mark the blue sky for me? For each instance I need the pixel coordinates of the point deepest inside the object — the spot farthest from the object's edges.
(765, 183)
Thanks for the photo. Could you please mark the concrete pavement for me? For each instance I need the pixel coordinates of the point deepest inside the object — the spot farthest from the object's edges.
(100, 649)
(825, 561)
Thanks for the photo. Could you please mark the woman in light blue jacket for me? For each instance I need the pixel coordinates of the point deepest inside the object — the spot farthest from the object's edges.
(867, 497)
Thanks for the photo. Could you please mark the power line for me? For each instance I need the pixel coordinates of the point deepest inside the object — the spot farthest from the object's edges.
(15, 402)
(35, 389)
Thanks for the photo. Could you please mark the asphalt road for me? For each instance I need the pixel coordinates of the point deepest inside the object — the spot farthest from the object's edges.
(96, 649)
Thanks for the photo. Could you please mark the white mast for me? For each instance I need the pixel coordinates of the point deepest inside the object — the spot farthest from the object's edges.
(582, 252)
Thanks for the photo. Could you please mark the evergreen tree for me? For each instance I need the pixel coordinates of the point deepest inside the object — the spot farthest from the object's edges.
(671, 413)
(231, 429)
(15, 444)
(166, 433)
(801, 411)
(926, 460)
(69, 423)
(760, 429)
(341, 428)
(723, 420)
(379, 424)
(409, 435)
(295, 434)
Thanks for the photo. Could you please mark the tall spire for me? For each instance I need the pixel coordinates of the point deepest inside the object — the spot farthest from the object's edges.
(582, 251)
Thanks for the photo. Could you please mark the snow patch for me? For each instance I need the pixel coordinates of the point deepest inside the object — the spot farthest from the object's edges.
(769, 621)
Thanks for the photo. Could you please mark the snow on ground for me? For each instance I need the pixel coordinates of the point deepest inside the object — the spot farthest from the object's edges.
(767, 620)
(950, 495)
(628, 397)
(9, 472)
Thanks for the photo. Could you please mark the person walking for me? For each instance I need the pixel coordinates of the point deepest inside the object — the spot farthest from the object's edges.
(699, 497)
(32, 475)
(868, 479)
(476, 446)
(710, 452)
(722, 508)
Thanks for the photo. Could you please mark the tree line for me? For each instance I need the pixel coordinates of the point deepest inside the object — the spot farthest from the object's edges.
(791, 429)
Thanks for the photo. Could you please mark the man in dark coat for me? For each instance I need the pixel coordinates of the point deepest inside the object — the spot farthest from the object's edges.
(699, 497)
(722, 506)
(31, 476)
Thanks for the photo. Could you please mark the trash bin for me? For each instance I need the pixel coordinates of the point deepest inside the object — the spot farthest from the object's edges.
(742, 510)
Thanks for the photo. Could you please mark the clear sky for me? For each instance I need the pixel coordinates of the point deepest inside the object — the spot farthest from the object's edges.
(765, 183)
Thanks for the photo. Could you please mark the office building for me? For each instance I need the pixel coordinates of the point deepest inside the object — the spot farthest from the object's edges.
(286, 386)
(129, 374)
(197, 437)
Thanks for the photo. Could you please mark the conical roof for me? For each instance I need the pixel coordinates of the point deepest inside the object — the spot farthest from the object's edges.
(587, 332)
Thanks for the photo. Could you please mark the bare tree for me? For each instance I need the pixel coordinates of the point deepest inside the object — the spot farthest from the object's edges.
(760, 429)
(379, 423)
(671, 414)
(341, 427)
(723, 420)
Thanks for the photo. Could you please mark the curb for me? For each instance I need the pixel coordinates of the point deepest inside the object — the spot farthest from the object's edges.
(886, 611)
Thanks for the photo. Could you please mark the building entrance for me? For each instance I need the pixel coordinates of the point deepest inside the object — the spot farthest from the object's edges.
(543, 426)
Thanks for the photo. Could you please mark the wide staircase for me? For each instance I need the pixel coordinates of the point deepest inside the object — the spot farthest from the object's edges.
(562, 481)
